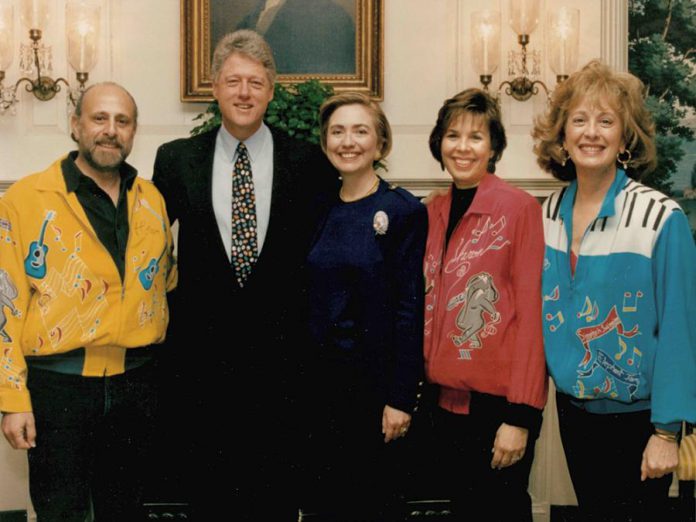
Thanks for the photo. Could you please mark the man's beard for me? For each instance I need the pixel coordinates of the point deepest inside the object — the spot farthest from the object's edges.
(104, 161)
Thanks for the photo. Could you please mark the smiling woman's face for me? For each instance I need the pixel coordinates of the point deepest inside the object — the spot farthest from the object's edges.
(352, 144)
(593, 138)
(466, 150)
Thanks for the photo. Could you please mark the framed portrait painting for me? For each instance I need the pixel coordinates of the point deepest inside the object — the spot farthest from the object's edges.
(338, 42)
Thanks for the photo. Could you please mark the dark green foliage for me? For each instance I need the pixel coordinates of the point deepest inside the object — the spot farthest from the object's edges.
(661, 41)
(293, 110)
(211, 119)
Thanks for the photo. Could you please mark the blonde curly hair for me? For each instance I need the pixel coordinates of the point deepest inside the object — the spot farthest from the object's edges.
(599, 84)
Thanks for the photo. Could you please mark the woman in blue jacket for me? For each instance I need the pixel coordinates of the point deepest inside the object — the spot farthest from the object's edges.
(619, 290)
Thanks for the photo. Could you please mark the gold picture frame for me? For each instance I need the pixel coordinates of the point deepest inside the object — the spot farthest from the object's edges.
(198, 41)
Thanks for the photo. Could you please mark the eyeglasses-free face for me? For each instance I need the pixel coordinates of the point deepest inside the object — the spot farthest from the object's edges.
(352, 144)
(466, 150)
(243, 92)
(593, 138)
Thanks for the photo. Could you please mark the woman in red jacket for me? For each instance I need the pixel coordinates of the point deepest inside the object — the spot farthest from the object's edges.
(483, 337)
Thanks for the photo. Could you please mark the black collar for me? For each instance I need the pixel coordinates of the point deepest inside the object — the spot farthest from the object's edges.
(73, 175)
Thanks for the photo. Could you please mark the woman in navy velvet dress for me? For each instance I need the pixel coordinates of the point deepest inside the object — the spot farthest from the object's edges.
(366, 318)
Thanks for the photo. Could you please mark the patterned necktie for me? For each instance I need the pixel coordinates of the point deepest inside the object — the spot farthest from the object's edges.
(244, 242)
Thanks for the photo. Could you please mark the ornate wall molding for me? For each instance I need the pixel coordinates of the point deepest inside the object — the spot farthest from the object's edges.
(540, 187)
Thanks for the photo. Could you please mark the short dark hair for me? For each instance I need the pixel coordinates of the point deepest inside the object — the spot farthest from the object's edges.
(470, 101)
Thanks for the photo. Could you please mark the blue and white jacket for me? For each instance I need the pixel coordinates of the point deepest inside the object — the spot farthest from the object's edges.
(620, 335)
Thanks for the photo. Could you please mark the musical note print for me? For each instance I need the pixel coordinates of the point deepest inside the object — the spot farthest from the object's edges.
(624, 347)
(554, 295)
(487, 235)
(636, 358)
(556, 320)
(58, 237)
(606, 389)
(628, 305)
(612, 322)
(10, 370)
(590, 310)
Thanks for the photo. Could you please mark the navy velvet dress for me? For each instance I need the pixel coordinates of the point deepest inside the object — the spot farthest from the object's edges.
(366, 324)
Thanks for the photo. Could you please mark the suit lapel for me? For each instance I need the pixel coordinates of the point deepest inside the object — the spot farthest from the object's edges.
(281, 195)
(282, 175)
(200, 185)
(200, 167)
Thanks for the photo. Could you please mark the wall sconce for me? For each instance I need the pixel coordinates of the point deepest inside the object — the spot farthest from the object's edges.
(35, 59)
(562, 28)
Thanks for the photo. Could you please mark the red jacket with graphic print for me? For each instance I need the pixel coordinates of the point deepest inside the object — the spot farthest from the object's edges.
(483, 327)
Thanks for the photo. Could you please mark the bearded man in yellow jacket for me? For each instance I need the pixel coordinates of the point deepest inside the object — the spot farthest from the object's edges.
(86, 260)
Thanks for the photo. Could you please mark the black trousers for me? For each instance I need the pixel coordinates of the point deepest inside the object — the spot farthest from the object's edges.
(463, 449)
(229, 430)
(92, 438)
(242, 478)
(240, 451)
(604, 454)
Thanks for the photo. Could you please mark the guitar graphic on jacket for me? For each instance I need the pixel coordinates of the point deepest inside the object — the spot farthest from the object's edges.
(147, 274)
(35, 263)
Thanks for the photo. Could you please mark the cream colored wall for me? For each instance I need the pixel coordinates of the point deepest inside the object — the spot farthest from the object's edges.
(426, 60)
(14, 489)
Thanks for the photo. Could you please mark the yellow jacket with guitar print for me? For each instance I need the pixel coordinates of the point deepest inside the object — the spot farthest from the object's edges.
(60, 289)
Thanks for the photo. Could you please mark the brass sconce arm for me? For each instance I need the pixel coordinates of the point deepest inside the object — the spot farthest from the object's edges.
(522, 88)
(524, 65)
(82, 32)
(43, 87)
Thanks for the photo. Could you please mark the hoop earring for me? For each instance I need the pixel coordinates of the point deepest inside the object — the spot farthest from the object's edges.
(565, 155)
(624, 162)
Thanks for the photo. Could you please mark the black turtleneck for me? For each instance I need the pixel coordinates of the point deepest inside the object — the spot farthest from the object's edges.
(461, 201)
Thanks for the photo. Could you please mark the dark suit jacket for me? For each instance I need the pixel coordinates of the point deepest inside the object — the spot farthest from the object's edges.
(236, 347)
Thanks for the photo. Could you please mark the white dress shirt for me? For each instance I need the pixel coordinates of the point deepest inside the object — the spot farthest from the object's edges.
(260, 151)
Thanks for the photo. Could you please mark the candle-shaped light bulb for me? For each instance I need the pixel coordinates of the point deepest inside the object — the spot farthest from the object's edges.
(563, 33)
(82, 18)
(563, 29)
(82, 30)
(34, 14)
(485, 41)
(485, 31)
(524, 15)
(6, 36)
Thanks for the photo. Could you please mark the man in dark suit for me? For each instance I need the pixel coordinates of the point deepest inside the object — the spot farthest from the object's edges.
(236, 315)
